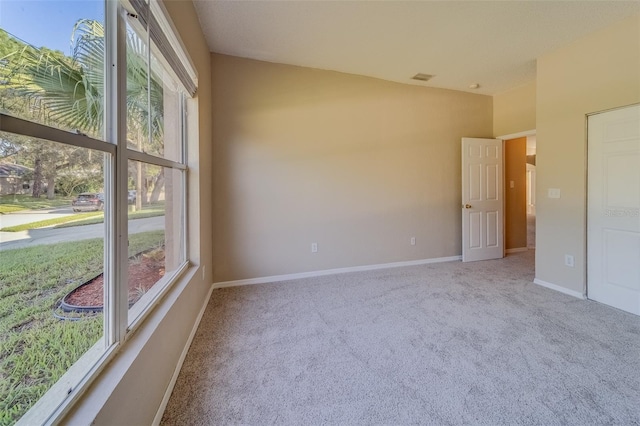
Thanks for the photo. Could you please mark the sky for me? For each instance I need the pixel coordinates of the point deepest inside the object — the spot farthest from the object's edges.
(47, 23)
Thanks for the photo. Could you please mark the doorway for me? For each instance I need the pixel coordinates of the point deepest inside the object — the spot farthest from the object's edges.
(520, 187)
(502, 220)
(531, 191)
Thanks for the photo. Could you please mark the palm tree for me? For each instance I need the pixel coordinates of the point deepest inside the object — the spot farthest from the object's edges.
(68, 92)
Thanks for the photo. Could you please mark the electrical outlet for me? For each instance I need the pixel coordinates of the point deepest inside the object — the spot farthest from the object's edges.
(314, 247)
(568, 260)
(413, 241)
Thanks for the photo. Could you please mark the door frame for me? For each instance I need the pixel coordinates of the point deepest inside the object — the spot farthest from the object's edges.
(531, 132)
(504, 139)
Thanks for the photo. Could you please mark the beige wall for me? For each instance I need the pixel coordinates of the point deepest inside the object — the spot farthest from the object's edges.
(514, 111)
(355, 164)
(515, 213)
(595, 73)
(130, 389)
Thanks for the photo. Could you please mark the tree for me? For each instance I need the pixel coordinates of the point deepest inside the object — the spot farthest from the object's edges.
(23, 68)
(74, 181)
(68, 92)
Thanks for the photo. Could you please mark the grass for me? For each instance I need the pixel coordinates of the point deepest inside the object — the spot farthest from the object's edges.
(35, 348)
(89, 218)
(14, 203)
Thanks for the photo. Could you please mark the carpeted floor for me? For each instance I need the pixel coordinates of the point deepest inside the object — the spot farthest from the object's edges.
(531, 231)
(450, 343)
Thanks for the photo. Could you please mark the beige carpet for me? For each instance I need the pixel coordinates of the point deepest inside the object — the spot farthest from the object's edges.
(531, 231)
(454, 343)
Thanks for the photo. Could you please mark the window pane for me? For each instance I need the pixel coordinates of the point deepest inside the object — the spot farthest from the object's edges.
(156, 237)
(51, 265)
(52, 63)
(153, 102)
(167, 140)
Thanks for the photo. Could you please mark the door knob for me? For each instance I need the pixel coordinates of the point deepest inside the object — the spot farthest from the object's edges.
(467, 206)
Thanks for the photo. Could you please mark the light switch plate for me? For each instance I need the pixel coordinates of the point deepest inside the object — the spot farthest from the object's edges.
(553, 193)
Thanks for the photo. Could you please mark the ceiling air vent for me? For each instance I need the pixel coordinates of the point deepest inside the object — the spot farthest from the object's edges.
(422, 77)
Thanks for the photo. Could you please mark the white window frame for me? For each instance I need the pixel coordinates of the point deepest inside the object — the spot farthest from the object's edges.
(119, 320)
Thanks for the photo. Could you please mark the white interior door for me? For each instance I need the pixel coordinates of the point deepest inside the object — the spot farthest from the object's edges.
(482, 199)
(613, 215)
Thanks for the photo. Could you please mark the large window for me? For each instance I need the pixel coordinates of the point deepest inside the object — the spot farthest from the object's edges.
(93, 99)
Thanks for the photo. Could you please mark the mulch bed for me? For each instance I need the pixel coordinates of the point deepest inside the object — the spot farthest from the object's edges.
(145, 270)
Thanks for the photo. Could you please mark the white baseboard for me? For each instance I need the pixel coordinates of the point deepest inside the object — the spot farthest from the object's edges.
(183, 355)
(288, 277)
(560, 289)
(516, 250)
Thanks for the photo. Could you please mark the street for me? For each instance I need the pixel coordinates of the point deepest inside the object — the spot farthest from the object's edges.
(33, 237)
(29, 216)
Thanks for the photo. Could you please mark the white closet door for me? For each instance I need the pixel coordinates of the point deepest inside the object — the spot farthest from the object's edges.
(613, 234)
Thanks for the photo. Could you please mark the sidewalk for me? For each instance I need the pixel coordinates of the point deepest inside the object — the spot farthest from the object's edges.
(29, 216)
(33, 237)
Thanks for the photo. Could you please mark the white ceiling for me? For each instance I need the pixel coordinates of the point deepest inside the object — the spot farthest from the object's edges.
(493, 43)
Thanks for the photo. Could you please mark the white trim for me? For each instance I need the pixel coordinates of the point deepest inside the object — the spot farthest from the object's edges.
(143, 157)
(160, 12)
(183, 355)
(516, 250)
(19, 126)
(560, 289)
(517, 135)
(288, 277)
(118, 297)
(589, 114)
(64, 393)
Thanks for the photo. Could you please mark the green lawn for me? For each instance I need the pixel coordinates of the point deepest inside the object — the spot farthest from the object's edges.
(35, 347)
(13, 203)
